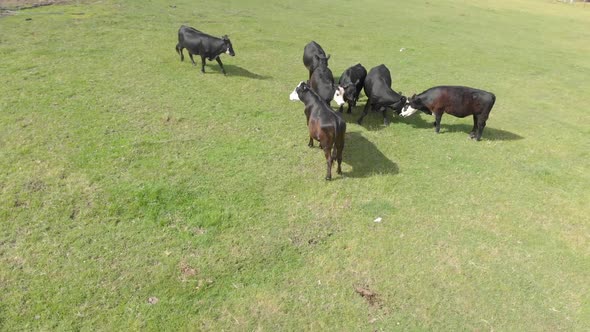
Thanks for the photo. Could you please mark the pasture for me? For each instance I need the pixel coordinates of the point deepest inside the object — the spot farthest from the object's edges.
(138, 194)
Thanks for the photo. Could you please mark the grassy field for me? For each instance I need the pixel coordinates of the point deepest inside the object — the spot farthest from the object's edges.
(137, 193)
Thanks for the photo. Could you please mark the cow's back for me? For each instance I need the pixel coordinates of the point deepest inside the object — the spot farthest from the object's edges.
(459, 101)
(377, 76)
(322, 82)
(350, 75)
(309, 51)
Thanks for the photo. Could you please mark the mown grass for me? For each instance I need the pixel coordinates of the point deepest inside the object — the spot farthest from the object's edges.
(126, 174)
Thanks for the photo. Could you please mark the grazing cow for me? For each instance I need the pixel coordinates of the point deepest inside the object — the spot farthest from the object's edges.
(324, 125)
(310, 60)
(350, 85)
(200, 43)
(459, 101)
(380, 95)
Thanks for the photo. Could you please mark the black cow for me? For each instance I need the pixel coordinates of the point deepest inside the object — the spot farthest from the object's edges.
(310, 60)
(459, 101)
(381, 96)
(350, 85)
(200, 43)
(322, 81)
(324, 125)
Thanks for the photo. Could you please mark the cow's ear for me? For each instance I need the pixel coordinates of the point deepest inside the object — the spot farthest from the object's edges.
(225, 37)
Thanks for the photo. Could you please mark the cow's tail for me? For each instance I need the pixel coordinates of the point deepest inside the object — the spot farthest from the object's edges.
(493, 101)
(339, 138)
(179, 51)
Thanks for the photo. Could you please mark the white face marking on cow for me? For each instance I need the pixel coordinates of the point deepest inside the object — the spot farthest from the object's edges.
(408, 110)
(339, 96)
(294, 96)
(227, 51)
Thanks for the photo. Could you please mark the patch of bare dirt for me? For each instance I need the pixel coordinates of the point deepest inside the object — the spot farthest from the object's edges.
(370, 296)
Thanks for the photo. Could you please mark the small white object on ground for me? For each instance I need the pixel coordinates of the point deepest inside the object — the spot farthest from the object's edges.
(378, 219)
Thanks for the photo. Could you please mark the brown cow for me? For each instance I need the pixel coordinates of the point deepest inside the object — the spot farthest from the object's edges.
(324, 125)
(459, 101)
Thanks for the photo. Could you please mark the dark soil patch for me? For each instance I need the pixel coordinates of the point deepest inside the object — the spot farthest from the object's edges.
(370, 296)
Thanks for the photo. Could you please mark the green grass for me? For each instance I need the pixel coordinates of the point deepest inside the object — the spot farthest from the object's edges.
(126, 174)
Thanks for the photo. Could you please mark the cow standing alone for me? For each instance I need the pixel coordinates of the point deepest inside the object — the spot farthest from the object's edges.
(324, 125)
(200, 43)
(459, 101)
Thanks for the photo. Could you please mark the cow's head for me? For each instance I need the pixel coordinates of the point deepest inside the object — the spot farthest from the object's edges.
(300, 89)
(227, 45)
(400, 105)
(413, 105)
(350, 93)
(339, 95)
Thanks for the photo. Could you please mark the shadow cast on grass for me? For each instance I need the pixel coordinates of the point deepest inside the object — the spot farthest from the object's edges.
(488, 132)
(365, 158)
(233, 70)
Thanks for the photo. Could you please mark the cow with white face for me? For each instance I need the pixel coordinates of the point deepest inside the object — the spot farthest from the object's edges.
(323, 124)
(459, 101)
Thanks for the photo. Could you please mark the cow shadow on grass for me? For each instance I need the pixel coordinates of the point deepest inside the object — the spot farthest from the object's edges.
(233, 70)
(489, 133)
(364, 158)
(372, 122)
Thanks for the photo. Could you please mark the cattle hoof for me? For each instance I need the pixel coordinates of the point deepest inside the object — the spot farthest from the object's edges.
(328, 178)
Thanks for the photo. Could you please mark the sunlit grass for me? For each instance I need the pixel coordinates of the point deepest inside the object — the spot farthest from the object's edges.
(126, 174)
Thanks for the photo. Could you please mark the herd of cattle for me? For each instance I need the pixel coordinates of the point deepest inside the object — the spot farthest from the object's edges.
(327, 126)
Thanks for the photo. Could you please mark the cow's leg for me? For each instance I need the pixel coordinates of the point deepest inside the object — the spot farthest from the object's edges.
(202, 64)
(337, 152)
(349, 108)
(310, 144)
(481, 123)
(191, 56)
(365, 111)
(437, 117)
(341, 108)
(385, 119)
(220, 65)
(328, 155)
(472, 132)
